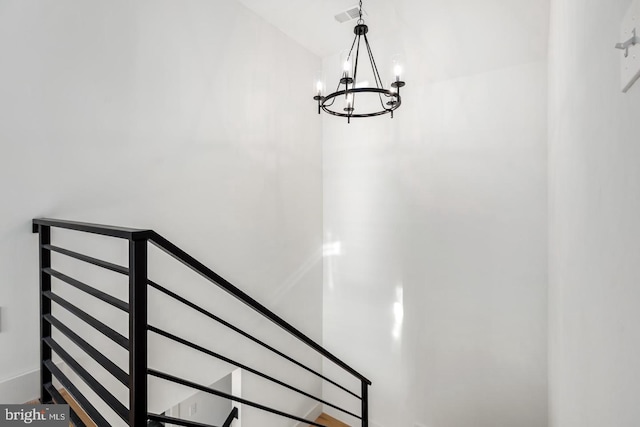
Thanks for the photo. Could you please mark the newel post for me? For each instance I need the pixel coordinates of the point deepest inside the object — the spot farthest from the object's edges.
(44, 234)
(137, 331)
(365, 403)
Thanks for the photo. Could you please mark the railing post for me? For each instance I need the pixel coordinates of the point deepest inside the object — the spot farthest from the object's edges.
(137, 332)
(365, 404)
(44, 233)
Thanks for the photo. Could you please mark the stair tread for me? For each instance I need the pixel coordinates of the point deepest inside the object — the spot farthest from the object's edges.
(73, 405)
(77, 409)
(329, 421)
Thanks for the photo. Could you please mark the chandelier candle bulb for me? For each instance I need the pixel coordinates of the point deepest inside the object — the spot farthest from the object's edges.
(397, 70)
(319, 86)
(349, 103)
(397, 64)
(347, 68)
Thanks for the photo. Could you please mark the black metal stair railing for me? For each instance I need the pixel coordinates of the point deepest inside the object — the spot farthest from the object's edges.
(233, 415)
(137, 414)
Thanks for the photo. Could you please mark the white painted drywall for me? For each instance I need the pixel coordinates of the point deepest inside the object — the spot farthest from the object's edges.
(435, 281)
(177, 116)
(594, 147)
(206, 408)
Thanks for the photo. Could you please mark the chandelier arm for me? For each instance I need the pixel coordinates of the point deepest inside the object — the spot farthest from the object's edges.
(382, 103)
(351, 50)
(376, 74)
(355, 72)
(375, 77)
(373, 62)
(338, 87)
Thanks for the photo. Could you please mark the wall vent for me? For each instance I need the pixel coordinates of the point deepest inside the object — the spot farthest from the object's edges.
(349, 15)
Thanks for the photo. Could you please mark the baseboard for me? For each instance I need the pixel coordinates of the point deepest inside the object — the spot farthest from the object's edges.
(313, 414)
(21, 388)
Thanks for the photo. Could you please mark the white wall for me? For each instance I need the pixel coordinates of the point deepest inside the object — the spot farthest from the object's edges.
(178, 116)
(205, 408)
(442, 211)
(594, 209)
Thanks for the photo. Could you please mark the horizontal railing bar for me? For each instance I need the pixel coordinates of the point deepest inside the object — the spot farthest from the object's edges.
(210, 275)
(208, 390)
(90, 320)
(87, 407)
(198, 267)
(85, 376)
(91, 260)
(176, 421)
(99, 357)
(233, 415)
(111, 300)
(245, 334)
(244, 367)
(105, 230)
(57, 398)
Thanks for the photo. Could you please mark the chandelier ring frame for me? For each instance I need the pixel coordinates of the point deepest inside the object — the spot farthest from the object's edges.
(395, 95)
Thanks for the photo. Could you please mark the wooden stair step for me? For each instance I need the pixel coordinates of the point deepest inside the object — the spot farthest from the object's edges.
(329, 421)
(73, 405)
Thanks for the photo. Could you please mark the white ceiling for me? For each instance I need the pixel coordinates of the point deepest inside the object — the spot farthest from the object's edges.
(312, 22)
(455, 37)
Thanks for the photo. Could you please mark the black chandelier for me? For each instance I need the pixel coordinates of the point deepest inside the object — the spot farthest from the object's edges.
(389, 98)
